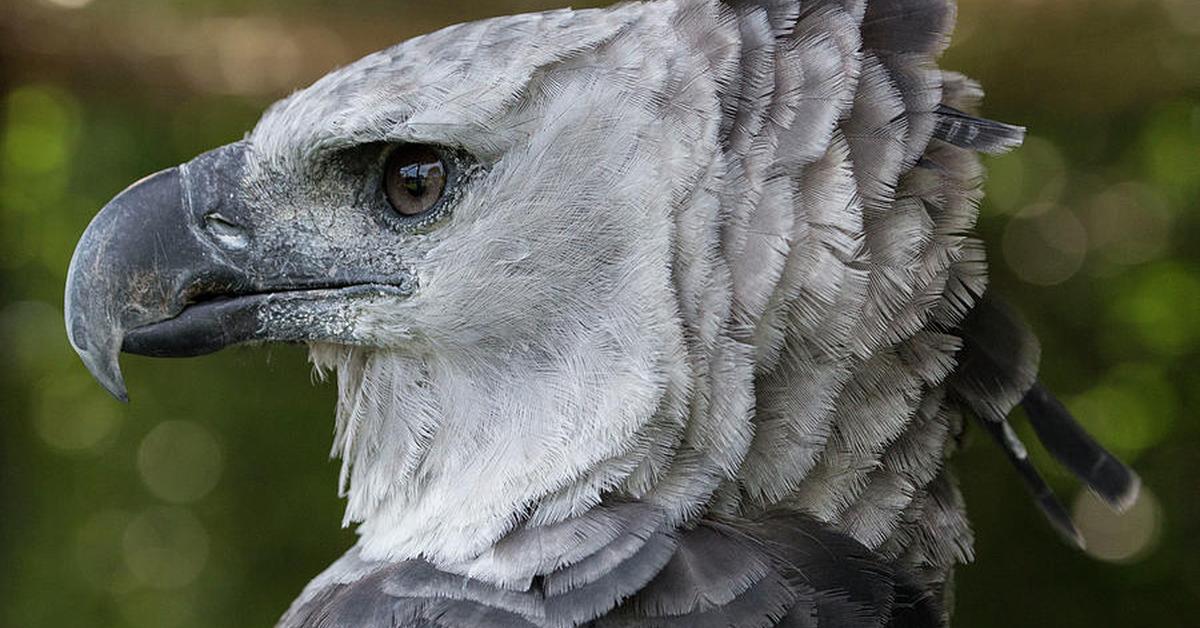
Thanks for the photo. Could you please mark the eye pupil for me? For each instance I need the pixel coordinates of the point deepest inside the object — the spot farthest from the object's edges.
(414, 179)
(415, 186)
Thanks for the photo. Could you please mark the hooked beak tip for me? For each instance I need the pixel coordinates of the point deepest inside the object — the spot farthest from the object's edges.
(105, 369)
(117, 390)
(108, 374)
(120, 395)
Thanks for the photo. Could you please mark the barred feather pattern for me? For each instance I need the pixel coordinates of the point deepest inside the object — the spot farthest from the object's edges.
(770, 373)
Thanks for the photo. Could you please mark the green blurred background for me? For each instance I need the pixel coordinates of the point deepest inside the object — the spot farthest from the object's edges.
(209, 501)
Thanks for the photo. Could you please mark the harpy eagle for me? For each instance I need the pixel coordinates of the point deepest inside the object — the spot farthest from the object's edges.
(666, 314)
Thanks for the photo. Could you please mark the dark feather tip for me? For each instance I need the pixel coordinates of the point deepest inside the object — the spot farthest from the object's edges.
(1072, 446)
(966, 131)
(1046, 500)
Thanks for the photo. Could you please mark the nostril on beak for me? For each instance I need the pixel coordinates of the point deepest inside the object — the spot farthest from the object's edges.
(227, 234)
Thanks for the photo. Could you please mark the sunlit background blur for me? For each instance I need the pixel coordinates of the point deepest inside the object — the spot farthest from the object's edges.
(209, 501)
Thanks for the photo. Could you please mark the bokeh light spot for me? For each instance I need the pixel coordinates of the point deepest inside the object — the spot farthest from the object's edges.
(40, 125)
(1184, 14)
(1171, 144)
(1119, 537)
(179, 461)
(251, 54)
(1129, 224)
(73, 415)
(1131, 410)
(1161, 305)
(165, 548)
(69, 4)
(99, 554)
(1045, 245)
(33, 335)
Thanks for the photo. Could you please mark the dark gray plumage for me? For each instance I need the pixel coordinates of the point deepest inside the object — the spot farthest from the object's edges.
(997, 371)
(685, 336)
(781, 569)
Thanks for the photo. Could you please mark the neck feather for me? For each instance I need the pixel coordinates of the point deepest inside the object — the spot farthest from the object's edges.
(442, 456)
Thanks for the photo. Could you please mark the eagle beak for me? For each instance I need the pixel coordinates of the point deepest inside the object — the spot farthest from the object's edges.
(173, 267)
(141, 260)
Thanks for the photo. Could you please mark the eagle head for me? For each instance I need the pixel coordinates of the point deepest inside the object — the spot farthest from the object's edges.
(479, 229)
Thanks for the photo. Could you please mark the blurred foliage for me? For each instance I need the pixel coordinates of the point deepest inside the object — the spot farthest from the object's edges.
(205, 502)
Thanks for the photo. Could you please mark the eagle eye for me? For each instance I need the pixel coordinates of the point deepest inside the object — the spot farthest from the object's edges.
(414, 179)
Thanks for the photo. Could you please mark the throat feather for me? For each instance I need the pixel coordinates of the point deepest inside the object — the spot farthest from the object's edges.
(443, 456)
